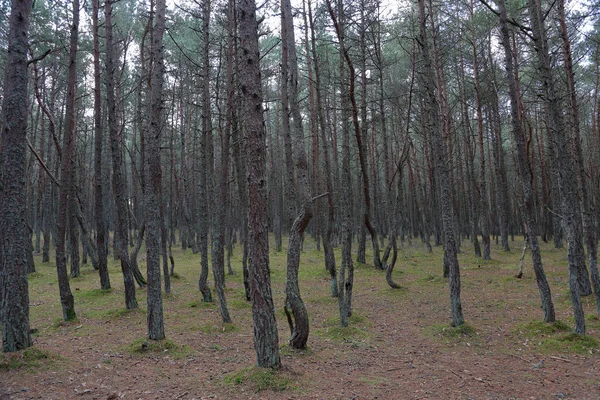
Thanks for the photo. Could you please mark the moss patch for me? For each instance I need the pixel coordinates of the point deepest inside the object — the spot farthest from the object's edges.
(259, 379)
(143, 346)
(31, 357)
(540, 328)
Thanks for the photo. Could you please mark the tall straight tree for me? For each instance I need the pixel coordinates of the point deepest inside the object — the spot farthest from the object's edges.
(346, 271)
(524, 171)
(14, 287)
(588, 215)
(567, 179)
(298, 318)
(98, 143)
(219, 207)
(205, 158)
(118, 162)
(327, 237)
(153, 171)
(443, 174)
(266, 341)
(67, 175)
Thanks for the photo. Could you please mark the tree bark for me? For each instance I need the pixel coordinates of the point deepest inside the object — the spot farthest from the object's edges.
(14, 286)
(153, 171)
(525, 172)
(67, 175)
(588, 216)
(441, 164)
(118, 178)
(298, 320)
(263, 312)
(220, 220)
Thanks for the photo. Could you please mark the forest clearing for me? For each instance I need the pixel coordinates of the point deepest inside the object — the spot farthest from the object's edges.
(399, 343)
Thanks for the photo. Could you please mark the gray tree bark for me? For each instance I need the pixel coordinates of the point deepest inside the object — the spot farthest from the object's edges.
(14, 286)
(263, 312)
(525, 173)
(441, 164)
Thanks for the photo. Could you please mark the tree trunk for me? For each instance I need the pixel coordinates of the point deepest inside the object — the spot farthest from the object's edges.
(263, 312)
(298, 320)
(67, 175)
(153, 171)
(118, 178)
(525, 172)
(588, 216)
(14, 289)
(441, 158)
(220, 214)
(327, 246)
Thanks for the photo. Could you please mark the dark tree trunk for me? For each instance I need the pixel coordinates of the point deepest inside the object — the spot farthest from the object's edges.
(588, 216)
(263, 312)
(441, 160)
(220, 213)
(153, 171)
(98, 143)
(525, 173)
(346, 271)
(298, 320)
(14, 289)
(327, 245)
(67, 176)
(118, 179)
(578, 274)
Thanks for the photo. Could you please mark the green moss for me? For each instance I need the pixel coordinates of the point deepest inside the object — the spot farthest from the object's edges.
(143, 346)
(93, 294)
(461, 332)
(540, 328)
(287, 351)
(570, 343)
(239, 304)
(31, 357)
(259, 379)
(201, 304)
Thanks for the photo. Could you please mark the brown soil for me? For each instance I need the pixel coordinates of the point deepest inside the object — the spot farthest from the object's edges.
(398, 345)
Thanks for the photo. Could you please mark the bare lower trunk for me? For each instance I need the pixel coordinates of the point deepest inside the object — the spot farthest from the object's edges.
(263, 312)
(443, 174)
(14, 286)
(525, 173)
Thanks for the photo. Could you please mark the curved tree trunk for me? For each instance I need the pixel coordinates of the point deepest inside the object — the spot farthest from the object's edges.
(525, 173)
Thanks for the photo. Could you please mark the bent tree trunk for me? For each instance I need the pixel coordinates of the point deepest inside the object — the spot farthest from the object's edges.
(298, 319)
(525, 173)
(578, 275)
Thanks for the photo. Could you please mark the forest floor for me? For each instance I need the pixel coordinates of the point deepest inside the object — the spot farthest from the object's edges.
(399, 344)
